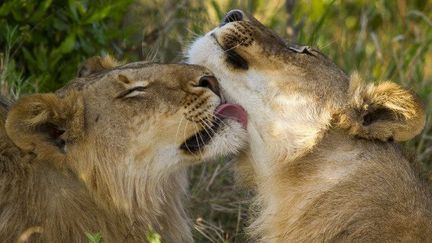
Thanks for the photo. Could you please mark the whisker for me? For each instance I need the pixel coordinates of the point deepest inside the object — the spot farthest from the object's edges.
(184, 135)
(233, 47)
(194, 34)
(206, 125)
(206, 121)
(178, 128)
(219, 120)
(202, 140)
(209, 123)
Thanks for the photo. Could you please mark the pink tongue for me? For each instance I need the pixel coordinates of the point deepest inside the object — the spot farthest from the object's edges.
(232, 111)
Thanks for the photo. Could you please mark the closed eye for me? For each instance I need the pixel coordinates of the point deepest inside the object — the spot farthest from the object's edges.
(302, 49)
(133, 92)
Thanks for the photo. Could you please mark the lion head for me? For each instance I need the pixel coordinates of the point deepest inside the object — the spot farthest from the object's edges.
(293, 93)
(127, 133)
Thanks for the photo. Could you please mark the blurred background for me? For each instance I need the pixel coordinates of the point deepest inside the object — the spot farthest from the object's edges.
(42, 43)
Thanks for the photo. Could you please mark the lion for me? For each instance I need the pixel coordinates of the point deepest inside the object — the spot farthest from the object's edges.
(108, 153)
(323, 153)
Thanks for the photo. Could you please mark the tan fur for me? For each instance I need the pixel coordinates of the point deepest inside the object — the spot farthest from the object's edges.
(32, 111)
(320, 153)
(96, 64)
(405, 118)
(103, 154)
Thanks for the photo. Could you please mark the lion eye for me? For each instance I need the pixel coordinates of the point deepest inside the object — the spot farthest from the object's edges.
(302, 49)
(133, 92)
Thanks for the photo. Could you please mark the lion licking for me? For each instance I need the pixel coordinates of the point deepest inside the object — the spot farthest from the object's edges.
(107, 153)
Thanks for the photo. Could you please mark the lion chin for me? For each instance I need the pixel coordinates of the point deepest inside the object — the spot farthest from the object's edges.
(322, 154)
(107, 153)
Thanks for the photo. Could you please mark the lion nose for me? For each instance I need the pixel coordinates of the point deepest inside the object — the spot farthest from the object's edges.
(211, 83)
(232, 16)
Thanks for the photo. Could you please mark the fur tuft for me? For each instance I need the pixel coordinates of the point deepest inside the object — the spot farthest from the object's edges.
(96, 64)
(385, 111)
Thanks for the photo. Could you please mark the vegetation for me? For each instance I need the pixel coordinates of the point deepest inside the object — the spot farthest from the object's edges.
(46, 40)
(94, 238)
(42, 42)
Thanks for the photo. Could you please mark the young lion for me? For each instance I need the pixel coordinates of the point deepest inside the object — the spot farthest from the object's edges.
(321, 152)
(107, 153)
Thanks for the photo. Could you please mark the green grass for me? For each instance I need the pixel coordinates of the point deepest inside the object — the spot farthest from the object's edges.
(382, 40)
(94, 238)
(12, 80)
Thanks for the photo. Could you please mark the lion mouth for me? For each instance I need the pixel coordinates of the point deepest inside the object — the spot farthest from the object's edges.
(224, 111)
(197, 141)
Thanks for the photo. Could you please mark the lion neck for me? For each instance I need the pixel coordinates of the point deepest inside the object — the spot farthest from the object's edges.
(294, 184)
(276, 137)
(139, 194)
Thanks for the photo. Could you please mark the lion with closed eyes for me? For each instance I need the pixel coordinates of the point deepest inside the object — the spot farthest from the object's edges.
(107, 153)
(322, 152)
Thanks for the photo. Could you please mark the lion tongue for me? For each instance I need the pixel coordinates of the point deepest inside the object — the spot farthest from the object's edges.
(232, 111)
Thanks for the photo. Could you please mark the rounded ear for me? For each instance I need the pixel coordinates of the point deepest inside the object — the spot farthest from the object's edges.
(385, 111)
(96, 64)
(45, 123)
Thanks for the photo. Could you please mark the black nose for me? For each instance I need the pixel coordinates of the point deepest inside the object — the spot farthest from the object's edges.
(211, 83)
(232, 16)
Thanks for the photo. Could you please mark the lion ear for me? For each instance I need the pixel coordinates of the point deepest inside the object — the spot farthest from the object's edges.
(45, 123)
(96, 64)
(385, 111)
